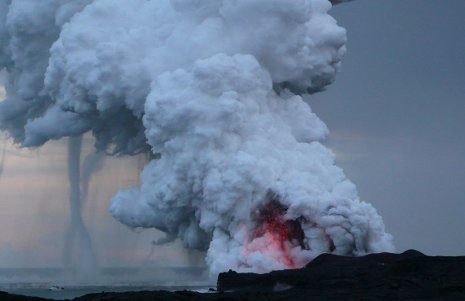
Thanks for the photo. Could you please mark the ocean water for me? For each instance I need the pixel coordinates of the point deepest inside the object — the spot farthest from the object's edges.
(59, 284)
(70, 292)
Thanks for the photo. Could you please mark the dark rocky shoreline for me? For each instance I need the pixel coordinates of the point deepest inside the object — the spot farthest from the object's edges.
(384, 276)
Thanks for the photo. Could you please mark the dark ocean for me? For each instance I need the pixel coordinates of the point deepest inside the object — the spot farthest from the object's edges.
(58, 283)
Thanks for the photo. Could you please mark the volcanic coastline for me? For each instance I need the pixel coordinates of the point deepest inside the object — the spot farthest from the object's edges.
(384, 276)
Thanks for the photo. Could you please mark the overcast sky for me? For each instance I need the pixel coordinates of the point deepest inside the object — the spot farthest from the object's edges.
(396, 115)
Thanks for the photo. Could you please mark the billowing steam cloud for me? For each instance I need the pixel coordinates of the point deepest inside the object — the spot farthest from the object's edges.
(211, 88)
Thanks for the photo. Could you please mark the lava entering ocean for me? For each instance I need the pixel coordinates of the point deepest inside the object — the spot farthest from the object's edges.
(275, 235)
(212, 89)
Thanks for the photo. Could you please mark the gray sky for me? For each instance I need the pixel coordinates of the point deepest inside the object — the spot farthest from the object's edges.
(397, 116)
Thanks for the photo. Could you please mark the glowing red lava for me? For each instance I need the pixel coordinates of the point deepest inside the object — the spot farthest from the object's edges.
(277, 236)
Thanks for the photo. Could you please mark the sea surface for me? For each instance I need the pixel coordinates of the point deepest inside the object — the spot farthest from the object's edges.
(59, 284)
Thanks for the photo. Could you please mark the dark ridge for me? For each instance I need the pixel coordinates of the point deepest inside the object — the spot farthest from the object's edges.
(384, 276)
(329, 260)
(324, 267)
(10, 297)
(409, 275)
(334, 2)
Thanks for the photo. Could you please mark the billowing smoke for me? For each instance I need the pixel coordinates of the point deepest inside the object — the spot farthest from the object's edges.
(211, 88)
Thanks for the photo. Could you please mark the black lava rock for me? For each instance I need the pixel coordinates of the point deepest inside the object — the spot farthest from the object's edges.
(384, 276)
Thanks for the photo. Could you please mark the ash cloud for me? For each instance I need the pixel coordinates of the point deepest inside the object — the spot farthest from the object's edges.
(211, 89)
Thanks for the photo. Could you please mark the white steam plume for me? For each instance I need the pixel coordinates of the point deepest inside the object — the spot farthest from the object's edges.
(211, 88)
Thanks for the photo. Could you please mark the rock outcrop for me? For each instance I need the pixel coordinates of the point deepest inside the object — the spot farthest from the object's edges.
(383, 276)
(334, 2)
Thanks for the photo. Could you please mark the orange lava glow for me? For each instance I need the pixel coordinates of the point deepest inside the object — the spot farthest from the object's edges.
(275, 236)
(279, 236)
